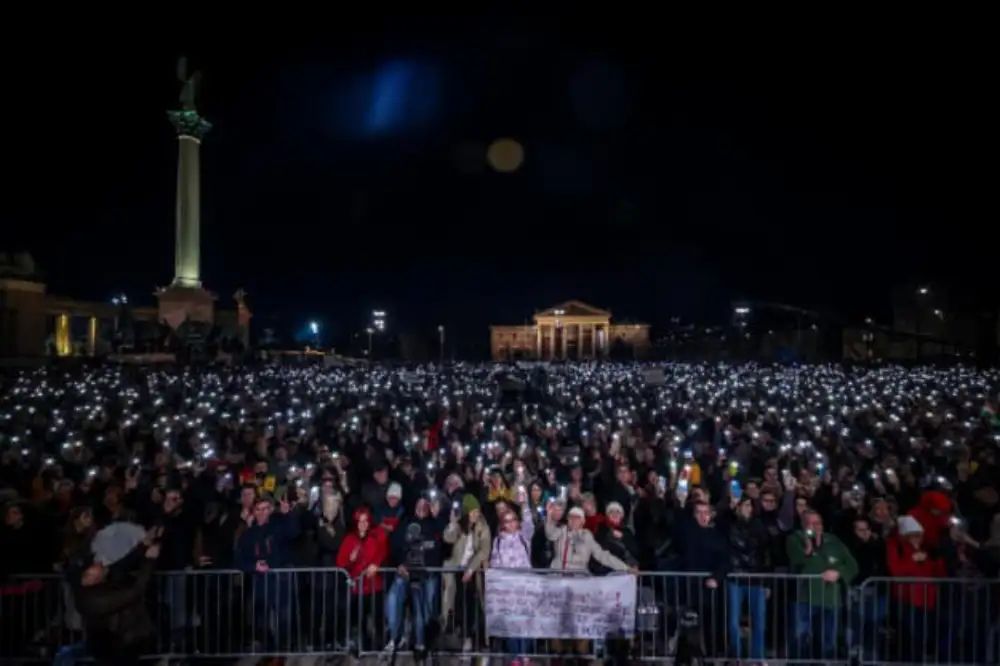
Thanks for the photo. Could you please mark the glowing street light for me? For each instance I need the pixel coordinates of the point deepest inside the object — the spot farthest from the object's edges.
(120, 299)
(378, 320)
(369, 331)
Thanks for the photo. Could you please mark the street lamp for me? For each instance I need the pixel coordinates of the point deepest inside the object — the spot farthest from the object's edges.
(441, 343)
(922, 292)
(378, 320)
(369, 331)
(314, 329)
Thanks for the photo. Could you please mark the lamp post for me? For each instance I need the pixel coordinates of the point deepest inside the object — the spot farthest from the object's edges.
(441, 344)
(314, 329)
(119, 301)
(369, 331)
(922, 293)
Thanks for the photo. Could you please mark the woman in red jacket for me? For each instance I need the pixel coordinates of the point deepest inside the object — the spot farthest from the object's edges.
(919, 626)
(361, 554)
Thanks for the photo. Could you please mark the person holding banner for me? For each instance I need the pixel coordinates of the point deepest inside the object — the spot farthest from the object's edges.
(574, 548)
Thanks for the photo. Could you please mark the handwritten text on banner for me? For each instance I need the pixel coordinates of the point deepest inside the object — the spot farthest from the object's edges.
(525, 605)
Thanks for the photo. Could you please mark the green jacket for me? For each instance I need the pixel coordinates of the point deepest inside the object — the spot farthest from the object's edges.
(831, 554)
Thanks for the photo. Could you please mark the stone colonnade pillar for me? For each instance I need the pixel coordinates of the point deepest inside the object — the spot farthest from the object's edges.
(92, 336)
(64, 342)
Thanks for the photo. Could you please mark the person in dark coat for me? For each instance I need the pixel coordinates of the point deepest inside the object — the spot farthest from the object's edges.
(114, 613)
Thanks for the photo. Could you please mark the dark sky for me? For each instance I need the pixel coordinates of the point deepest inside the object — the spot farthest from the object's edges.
(664, 174)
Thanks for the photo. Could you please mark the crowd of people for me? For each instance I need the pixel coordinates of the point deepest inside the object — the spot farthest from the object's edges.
(807, 512)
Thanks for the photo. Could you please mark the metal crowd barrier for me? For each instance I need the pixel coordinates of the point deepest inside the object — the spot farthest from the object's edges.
(301, 612)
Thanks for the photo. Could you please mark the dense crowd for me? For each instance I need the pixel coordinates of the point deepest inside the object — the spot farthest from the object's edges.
(735, 478)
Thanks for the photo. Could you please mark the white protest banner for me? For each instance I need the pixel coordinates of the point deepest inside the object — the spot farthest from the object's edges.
(654, 376)
(528, 605)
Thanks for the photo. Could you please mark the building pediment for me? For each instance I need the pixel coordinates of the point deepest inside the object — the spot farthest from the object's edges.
(573, 309)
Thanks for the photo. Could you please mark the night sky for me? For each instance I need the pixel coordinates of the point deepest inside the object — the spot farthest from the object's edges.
(662, 177)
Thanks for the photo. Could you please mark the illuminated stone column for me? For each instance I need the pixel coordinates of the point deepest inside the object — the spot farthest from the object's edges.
(191, 128)
(538, 341)
(64, 345)
(92, 337)
(562, 344)
(552, 341)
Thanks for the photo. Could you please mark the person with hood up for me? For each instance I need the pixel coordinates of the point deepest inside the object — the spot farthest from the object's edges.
(512, 550)
(361, 554)
(933, 513)
(114, 613)
(470, 538)
(908, 556)
(262, 550)
(416, 547)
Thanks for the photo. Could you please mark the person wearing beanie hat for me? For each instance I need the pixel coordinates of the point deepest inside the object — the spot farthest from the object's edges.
(574, 545)
(909, 525)
(388, 515)
(471, 540)
(907, 556)
(469, 504)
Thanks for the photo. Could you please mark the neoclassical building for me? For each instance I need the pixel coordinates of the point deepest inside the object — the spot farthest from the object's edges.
(572, 330)
(34, 322)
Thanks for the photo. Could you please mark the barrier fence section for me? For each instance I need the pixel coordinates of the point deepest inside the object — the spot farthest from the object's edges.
(759, 617)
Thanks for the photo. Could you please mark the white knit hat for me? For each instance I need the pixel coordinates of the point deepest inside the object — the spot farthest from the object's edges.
(578, 512)
(909, 525)
(395, 490)
(614, 506)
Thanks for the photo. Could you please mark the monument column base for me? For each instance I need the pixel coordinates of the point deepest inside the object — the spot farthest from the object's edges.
(178, 304)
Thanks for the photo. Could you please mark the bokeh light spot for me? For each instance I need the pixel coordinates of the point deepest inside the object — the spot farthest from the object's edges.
(505, 155)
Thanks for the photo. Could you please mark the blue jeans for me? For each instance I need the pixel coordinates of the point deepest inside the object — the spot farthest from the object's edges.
(756, 597)
(806, 619)
(517, 647)
(68, 655)
(867, 614)
(423, 595)
(175, 599)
